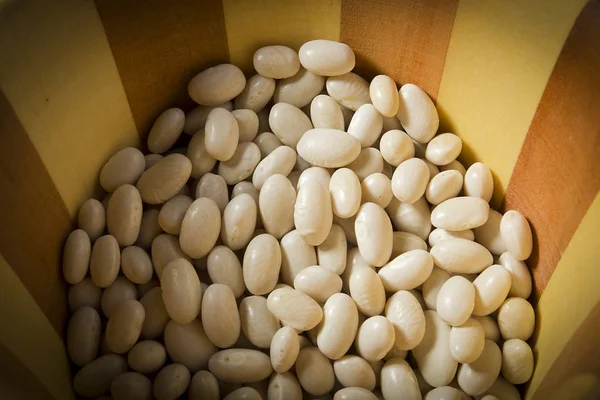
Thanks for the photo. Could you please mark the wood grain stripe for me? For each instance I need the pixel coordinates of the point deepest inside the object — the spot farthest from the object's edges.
(567, 312)
(33, 217)
(28, 336)
(500, 57)
(253, 24)
(557, 174)
(16, 381)
(59, 75)
(404, 39)
(158, 46)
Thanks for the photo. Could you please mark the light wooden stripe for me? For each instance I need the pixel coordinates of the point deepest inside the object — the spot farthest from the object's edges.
(567, 341)
(33, 218)
(500, 57)
(404, 39)
(16, 381)
(253, 24)
(158, 46)
(28, 335)
(557, 174)
(58, 73)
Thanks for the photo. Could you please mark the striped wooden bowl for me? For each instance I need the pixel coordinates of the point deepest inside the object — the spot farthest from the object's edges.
(518, 81)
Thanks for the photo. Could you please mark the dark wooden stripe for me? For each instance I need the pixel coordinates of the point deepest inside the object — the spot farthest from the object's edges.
(158, 46)
(405, 39)
(557, 174)
(33, 219)
(17, 381)
(574, 373)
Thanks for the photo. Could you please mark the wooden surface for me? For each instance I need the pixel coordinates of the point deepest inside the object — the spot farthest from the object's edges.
(158, 46)
(404, 39)
(557, 174)
(33, 217)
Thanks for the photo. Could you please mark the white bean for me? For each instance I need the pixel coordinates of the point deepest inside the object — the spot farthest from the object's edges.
(407, 271)
(375, 338)
(516, 319)
(354, 371)
(221, 134)
(188, 344)
(313, 215)
(280, 161)
(433, 353)
(262, 262)
(296, 255)
(367, 291)
(403, 310)
(200, 228)
(166, 130)
(459, 255)
(165, 248)
(377, 188)
(398, 377)
(444, 186)
(331, 254)
(384, 95)
(256, 94)
(404, 241)
(239, 222)
(216, 85)
(125, 167)
(285, 347)
(354, 393)
(224, 267)
(516, 234)
(349, 90)
(318, 282)
(417, 113)
(258, 324)
(489, 235)
(314, 371)
(443, 149)
(366, 125)
(202, 162)
(325, 112)
(276, 62)
(196, 118)
(288, 123)
(460, 213)
(92, 218)
(344, 187)
(326, 57)
(374, 234)
(295, 308)
(284, 386)
(438, 235)
(520, 283)
(328, 148)
(368, 162)
(181, 291)
(300, 89)
(276, 203)
(491, 288)
(76, 256)
(240, 365)
(165, 179)
(412, 218)
(220, 316)
(477, 377)
(517, 361)
(431, 287)
(467, 341)
(479, 181)
(410, 179)
(396, 147)
(241, 165)
(455, 300)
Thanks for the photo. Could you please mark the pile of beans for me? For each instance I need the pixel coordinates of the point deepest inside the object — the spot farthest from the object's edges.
(315, 237)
